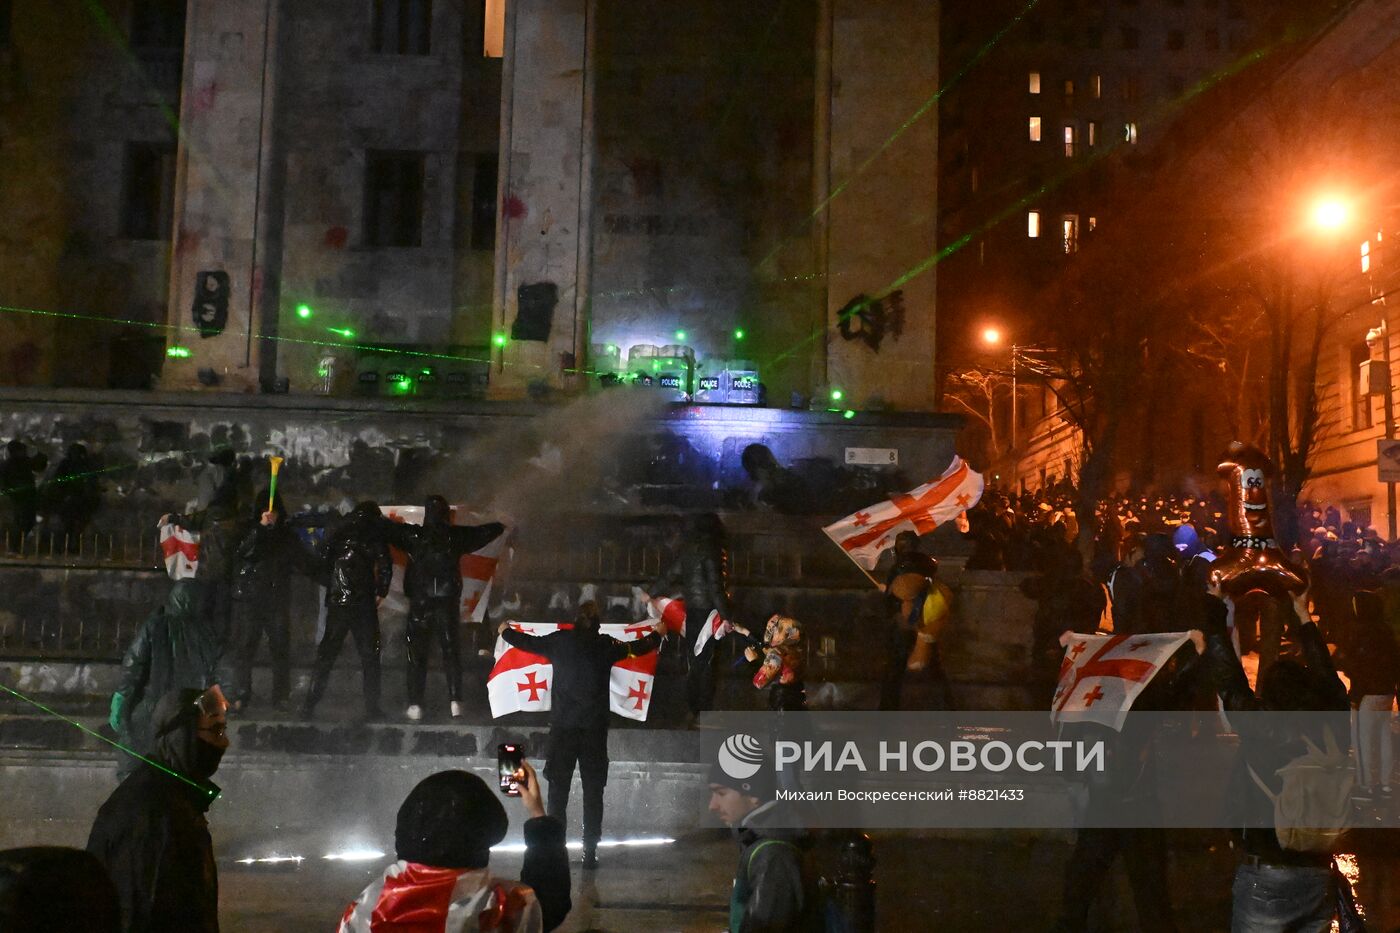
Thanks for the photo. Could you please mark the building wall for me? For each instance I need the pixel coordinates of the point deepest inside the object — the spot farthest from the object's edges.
(63, 247)
(882, 217)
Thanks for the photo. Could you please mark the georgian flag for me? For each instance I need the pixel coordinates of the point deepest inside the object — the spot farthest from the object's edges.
(671, 611)
(1101, 675)
(865, 534)
(478, 568)
(180, 548)
(716, 626)
(520, 681)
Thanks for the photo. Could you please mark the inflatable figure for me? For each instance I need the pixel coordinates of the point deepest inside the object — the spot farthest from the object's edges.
(1253, 561)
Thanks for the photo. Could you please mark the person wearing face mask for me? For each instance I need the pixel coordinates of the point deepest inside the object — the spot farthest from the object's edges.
(152, 836)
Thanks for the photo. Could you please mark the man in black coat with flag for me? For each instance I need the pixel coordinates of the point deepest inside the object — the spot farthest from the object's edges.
(432, 581)
(583, 658)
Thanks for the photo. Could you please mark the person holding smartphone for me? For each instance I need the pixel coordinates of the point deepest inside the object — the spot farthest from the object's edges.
(442, 880)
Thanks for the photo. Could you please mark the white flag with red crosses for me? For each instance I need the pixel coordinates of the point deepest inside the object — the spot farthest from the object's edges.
(1101, 675)
(865, 534)
(520, 681)
(478, 568)
(180, 549)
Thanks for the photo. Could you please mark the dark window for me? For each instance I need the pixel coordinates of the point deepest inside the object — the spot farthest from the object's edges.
(394, 199)
(1210, 38)
(158, 24)
(1036, 30)
(1130, 37)
(401, 27)
(484, 202)
(1234, 9)
(148, 191)
(4, 24)
(1093, 38)
(1176, 39)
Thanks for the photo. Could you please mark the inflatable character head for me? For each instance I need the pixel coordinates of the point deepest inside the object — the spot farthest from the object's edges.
(1253, 561)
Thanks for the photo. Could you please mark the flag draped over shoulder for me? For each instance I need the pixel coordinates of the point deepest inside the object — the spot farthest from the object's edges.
(520, 680)
(1102, 675)
(866, 533)
(180, 549)
(478, 568)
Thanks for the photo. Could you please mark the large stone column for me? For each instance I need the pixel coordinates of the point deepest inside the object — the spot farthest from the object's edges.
(222, 180)
(881, 219)
(543, 236)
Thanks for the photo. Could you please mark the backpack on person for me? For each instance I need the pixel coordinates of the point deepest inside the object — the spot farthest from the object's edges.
(1313, 810)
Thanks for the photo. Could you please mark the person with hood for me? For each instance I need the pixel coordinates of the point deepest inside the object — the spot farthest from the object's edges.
(17, 472)
(700, 573)
(1275, 888)
(441, 881)
(73, 494)
(432, 581)
(174, 649)
(355, 562)
(772, 891)
(152, 836)
(262, 573)
(583, 658)
(51, 889)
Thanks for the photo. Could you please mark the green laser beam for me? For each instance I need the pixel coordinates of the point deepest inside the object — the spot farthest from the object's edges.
(203, 788)
(919, 113)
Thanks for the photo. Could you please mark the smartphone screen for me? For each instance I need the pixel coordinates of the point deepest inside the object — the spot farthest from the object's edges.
(508, 759)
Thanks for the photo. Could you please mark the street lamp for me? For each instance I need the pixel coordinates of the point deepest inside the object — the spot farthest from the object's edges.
(1330, 213)
(992, 337)
(1330, 216)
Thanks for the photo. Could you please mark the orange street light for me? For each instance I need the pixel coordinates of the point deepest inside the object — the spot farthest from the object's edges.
(991, 336)
(1330, 213)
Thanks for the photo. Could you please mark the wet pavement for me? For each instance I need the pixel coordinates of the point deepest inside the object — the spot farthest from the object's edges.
(993, 883)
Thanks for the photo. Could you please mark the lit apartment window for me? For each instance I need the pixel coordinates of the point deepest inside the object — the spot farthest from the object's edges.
(1035, 82)
(1096, 86)
(1069, 88)
(1033, 224)
(1093, 133)
(1130, 132)
(1035, 129)
(1361, 415)
(1069, 141)
(401, 26)
(1366, 256)
(494, 34)
(1069, 225)
(1093, 224)
(974, 179)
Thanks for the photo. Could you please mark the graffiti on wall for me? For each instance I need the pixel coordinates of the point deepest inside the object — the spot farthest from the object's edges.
(870, 319)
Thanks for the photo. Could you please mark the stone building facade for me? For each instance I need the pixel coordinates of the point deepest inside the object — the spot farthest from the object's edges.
(362, 179)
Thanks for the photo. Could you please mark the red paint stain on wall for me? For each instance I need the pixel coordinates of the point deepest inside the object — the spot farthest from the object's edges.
(187, 241)
(205, 97)
(337, 237)
(513, 208)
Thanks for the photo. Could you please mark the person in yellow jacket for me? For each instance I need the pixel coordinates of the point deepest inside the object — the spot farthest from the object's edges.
(923, 605)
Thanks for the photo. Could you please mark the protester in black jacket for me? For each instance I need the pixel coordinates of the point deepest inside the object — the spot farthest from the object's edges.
(432, 581)
(17, 472)
(152, 836)
(355, 561)
(263, 563)
(1276, 888)
(700, 573)
(174, 649)
(583, 659)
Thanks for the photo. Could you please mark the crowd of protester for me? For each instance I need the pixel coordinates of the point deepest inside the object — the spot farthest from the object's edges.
(1150, 573)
